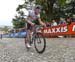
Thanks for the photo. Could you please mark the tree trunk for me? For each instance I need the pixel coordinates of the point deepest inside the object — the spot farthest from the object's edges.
(50, 9)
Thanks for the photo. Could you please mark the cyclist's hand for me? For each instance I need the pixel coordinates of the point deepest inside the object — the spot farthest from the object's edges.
(44, 25)
(32, 24)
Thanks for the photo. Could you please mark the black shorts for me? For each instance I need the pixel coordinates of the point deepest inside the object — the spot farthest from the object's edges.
(29, 27)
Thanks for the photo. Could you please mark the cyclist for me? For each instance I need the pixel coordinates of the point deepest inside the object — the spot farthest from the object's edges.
(33, 15)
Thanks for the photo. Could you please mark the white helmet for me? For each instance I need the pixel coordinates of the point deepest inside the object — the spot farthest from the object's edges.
(38, 7)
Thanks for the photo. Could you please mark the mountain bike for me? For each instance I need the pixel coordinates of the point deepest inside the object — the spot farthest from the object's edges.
(37, 38)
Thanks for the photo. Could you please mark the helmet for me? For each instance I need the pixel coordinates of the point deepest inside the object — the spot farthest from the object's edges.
(37, 7)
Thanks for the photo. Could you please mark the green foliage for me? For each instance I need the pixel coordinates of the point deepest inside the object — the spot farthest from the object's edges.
(47, 7)
(61, 2)
(19, 7)
(18, 23)
(48, 10)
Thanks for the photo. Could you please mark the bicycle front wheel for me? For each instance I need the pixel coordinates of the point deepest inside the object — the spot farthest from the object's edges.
(40, 43)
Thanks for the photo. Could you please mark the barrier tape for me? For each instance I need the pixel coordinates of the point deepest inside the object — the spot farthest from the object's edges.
(62, 29)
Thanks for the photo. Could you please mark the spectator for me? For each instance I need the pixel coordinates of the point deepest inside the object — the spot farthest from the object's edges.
(68, 20)
(47, 24)
(54, 23)
(62, 21)
(73, 18)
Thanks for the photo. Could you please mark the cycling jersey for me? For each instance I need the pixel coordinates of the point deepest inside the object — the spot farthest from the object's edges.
(33, 15)
(33, 18)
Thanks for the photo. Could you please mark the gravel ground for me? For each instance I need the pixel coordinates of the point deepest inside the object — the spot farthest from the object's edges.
(57, 50)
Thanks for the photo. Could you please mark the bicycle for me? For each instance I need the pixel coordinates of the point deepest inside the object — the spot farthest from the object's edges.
(38, 40)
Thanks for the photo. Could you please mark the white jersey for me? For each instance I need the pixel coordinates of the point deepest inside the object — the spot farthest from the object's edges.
(33, 15)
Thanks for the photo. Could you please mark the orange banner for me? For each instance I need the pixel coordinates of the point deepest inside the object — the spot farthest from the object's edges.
(62, 29)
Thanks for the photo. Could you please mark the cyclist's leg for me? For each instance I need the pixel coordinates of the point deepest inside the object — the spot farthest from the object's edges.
(28, 35)
(28, 38)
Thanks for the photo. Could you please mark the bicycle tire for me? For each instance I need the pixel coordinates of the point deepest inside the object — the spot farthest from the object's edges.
(44, 41)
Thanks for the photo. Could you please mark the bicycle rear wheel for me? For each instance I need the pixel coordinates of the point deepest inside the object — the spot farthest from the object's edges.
(40, 43)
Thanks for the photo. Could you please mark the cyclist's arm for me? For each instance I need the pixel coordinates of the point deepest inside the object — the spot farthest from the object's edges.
(41, 22)
(29, 20)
